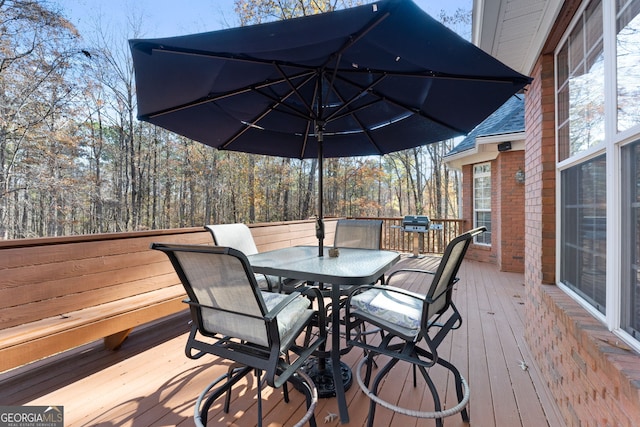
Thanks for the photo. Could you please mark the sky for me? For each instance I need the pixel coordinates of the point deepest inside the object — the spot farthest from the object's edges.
(162, 18)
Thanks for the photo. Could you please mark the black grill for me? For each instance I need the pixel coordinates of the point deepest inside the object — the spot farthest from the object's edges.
(415, 223)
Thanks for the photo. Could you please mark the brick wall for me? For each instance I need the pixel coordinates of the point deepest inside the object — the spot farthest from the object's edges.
(507, 213)
(540, 166)
(593, 377)
(510, 214)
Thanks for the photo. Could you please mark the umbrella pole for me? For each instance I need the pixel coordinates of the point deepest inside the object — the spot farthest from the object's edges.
(320, 220)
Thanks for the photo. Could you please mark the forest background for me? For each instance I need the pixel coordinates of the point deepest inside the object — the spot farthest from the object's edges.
(75, 160)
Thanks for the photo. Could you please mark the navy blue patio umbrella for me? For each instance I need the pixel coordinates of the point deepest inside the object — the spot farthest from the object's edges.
(368, 80)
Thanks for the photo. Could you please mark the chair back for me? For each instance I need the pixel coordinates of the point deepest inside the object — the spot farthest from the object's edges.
(236, 236)
(223, 292)
(358, 233)
(439, 294)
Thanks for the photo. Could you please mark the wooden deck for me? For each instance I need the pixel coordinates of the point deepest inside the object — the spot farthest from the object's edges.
(150, 382)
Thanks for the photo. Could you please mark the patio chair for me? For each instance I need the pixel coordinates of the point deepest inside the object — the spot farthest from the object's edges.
(359, 234)
(235, 320)
(407, 320)
(239, 237)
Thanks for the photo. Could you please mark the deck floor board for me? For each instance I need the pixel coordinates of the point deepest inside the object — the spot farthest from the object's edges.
(150, 382)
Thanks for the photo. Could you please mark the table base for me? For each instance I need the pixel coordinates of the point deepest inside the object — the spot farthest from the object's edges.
(321, 372)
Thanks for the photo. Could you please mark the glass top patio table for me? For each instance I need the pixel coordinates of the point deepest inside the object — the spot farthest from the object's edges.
(351, 267)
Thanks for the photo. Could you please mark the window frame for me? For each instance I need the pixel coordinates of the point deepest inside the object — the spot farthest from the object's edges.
(483, 239)
(589, 205)
(626, 242)
(611, 147)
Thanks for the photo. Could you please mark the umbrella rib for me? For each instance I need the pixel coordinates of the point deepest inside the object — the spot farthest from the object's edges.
(362, 126)
(200, 101)
(238, 58)
(247, 126)
(253, 123)
(355, 110)
(294, 89)
(430, 74)
(272, 107)
(218, 55)
(279, 101)
(217, 97)
(337, 114)
(424, 74)
(409, 108)
(354, 38)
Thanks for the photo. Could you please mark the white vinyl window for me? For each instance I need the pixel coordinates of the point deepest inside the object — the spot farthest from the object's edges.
(580, 85)
(583, 211)
(482, 201)
(598, 151)
(630, 276)
(627, 60)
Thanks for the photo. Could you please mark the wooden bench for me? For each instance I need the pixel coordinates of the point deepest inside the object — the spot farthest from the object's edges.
(59, 293)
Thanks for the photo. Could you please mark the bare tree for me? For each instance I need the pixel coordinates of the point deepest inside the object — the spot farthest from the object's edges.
(74, 159)
(38, 51)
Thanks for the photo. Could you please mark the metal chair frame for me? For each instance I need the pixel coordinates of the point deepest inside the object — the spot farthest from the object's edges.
(273, 359)
(439, 317)
(238, 236)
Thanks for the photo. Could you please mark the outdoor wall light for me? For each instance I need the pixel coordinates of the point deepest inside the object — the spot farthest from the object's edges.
(520, 176)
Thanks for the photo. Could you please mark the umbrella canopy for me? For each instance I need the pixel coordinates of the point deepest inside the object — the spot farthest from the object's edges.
(369, 80)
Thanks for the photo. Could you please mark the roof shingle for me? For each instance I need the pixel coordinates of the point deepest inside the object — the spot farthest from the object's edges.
(509, 118)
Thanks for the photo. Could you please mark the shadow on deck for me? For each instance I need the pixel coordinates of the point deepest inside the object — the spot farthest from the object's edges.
(150, 382)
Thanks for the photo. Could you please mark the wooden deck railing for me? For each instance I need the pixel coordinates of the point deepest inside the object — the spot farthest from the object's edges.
(431, 242)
